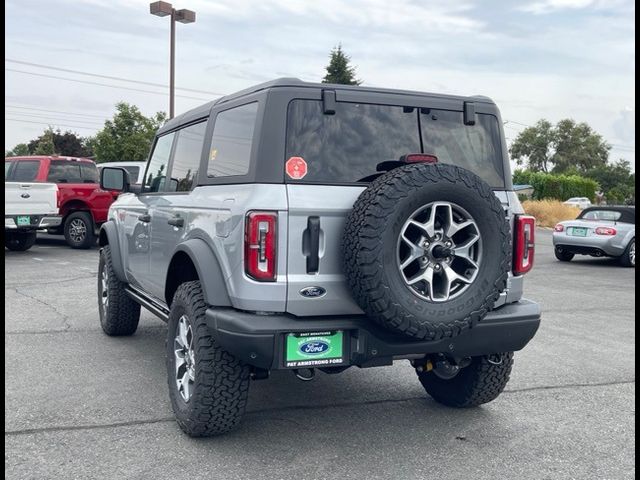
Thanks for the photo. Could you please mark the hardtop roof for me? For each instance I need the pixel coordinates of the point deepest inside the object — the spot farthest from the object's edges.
(203, 110)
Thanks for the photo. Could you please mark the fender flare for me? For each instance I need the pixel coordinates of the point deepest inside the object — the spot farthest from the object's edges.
(209, 271)
(109, 236)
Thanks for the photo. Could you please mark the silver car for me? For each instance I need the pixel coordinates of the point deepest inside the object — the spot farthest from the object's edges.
(599, 232)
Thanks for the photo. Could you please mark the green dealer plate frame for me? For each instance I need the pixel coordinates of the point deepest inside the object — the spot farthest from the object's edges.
(314, 349)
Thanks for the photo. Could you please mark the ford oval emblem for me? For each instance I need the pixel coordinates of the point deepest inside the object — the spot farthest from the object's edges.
(314, 347)
(313, 292)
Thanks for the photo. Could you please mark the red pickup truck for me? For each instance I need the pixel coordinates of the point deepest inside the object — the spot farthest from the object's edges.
(82, 204)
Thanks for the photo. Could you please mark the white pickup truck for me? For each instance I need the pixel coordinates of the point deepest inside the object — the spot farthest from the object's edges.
(28, 207)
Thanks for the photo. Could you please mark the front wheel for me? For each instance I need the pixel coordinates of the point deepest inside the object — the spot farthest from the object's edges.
(119, 314)
(563, 255)
(628, 258)
(19, 241)
(208, 386)
(79, 230)
(479, 382)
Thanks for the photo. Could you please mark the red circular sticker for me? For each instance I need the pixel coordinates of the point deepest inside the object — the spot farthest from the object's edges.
(296, 168)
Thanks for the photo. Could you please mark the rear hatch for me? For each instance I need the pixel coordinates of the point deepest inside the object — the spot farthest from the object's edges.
(331, 160)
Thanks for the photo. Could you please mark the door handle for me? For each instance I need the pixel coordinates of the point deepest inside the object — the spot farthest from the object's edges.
(145, 217)
(176, 221)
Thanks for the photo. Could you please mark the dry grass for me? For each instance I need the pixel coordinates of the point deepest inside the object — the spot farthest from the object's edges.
(549, 212)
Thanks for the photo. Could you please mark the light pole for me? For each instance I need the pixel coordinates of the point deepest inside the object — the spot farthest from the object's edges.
(163, 9)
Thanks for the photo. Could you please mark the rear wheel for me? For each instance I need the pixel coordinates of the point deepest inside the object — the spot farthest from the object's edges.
(479, 382)
(628, 258)
(563, 255)
(208, 386)
(79, 230)
(19, 241)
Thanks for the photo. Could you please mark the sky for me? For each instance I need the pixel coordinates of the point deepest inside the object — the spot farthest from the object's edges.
(536, 59)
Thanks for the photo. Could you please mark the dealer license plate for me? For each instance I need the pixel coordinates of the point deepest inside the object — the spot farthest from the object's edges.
(23, 220)
(578, 232)
(314, 349)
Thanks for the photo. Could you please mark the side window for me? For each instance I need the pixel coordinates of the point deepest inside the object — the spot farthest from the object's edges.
(7, 166)
(25, 171)
(186, 157)
(64, 171)
(89, 173)
(230, 152)
(157, 168)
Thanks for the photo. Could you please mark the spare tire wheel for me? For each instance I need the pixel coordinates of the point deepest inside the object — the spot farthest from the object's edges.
(427, 250)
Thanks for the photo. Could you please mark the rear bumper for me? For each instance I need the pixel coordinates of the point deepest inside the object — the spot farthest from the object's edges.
(37, 222)
(259, 339)
(606, 245)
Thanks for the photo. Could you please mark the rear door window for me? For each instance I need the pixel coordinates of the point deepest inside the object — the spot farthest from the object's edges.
(25, 171)
(64, 171)
(89, 173)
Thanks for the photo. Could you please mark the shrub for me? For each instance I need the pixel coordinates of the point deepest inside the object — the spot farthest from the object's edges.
(558, 187)
(549, 212)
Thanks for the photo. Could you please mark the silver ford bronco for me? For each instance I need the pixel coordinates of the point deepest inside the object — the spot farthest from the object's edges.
(312, 227)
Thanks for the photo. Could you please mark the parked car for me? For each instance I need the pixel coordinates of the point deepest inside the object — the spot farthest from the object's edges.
(299, 226)
(600, 232)
(135, 169)
(82, 204)
(580, 202)
(28, 207)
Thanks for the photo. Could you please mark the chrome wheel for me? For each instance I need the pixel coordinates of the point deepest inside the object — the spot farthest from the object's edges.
(632, 253)
(104, 290)
(77, 230)
(439, 251)
(184, 358)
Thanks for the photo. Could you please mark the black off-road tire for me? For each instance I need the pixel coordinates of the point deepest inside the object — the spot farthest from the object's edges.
(480, 382)
(89, 238)
(19, 241)
(221, 384)
(563, 255)
(122, 314)
(627, 260)
(370, 243)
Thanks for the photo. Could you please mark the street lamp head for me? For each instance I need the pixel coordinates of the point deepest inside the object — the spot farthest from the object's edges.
(185, 16)
(161, 9)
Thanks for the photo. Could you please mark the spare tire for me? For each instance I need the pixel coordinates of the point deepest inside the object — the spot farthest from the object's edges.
(427, 250)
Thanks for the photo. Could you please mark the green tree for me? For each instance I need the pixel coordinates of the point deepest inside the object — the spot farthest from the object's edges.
(128, 136)
(567, 147)
(44, 144)
(339, 71)
(616, 180)
(68, 143)
(19, 150)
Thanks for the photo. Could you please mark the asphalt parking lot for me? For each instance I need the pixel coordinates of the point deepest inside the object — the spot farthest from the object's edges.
(79, 404)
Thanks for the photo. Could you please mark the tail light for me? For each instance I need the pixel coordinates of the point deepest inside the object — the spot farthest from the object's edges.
(419, 158)
(57, 197)
(606, 231)
(525, 227)
(558, 228)
(260, 246)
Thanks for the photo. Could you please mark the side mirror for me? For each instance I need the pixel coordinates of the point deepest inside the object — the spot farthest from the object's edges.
(114, 178)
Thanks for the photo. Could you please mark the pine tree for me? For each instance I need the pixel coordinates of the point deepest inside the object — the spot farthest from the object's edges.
(339, 70)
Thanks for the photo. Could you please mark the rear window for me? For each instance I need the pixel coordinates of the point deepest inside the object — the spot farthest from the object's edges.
(64, 171)
(601, 215)
(25, 171)
(346, 147)
(134, 173)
